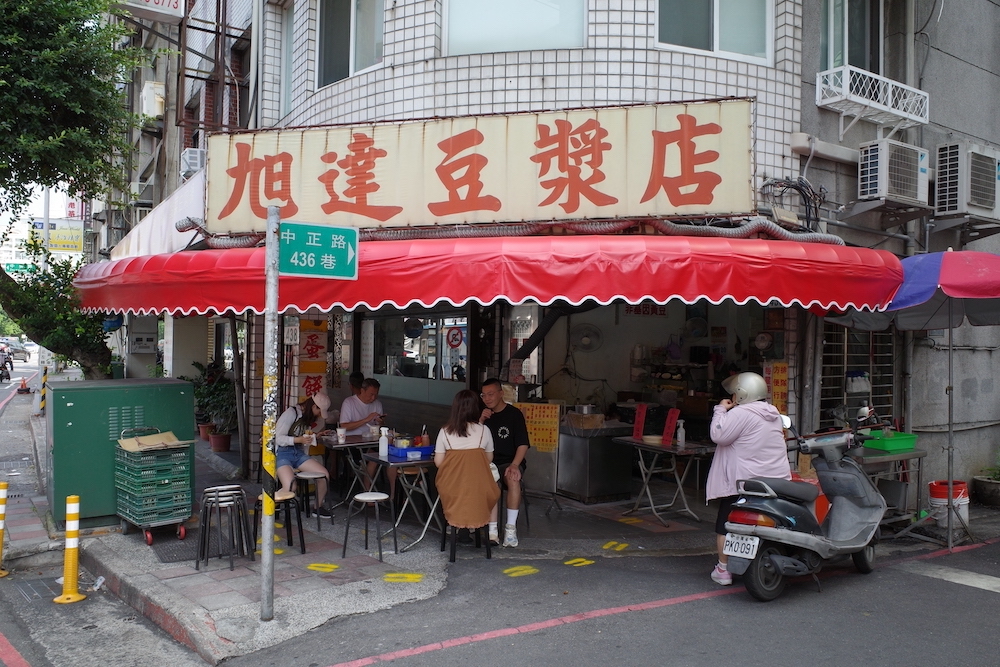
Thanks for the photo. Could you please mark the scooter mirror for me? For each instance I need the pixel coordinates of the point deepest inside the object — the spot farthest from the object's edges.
(786, 421)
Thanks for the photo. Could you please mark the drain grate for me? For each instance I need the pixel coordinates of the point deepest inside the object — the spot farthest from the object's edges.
(10, 465)
(39, 589)
(15, 495)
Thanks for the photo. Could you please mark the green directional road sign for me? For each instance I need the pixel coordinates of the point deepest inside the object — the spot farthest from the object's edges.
(317, 251)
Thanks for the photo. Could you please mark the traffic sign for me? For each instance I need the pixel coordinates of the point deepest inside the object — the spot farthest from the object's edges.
(318, 251)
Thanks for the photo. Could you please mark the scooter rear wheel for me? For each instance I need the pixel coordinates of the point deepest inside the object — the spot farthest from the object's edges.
(763, 580)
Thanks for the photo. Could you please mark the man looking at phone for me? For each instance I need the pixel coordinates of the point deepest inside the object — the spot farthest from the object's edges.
(510, 442)
(359, 412)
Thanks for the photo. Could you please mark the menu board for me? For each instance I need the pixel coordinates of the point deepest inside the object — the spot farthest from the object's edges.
(542, 420)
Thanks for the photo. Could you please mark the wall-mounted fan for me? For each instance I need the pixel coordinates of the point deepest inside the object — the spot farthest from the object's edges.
(696, 327)
(585, 337)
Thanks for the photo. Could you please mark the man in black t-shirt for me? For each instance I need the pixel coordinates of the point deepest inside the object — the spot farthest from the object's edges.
(510, 445)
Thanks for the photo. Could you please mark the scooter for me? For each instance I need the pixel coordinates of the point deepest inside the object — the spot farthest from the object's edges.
(773, 531)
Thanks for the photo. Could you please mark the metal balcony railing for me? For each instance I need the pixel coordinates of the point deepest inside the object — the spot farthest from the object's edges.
(868, 96)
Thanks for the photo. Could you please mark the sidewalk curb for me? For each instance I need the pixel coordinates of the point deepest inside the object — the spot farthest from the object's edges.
(144, 593)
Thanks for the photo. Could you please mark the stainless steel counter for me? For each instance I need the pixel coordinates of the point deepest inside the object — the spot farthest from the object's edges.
(592, 468)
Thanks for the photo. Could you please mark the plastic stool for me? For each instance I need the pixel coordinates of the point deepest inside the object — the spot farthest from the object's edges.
(287, 500)
(231, 499)
(305, 478)
(365, 499)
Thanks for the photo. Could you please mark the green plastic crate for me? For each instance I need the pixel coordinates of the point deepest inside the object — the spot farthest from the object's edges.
(152, 458)
(150, 517)
(140, 487)
(160, 501)
(892, 442)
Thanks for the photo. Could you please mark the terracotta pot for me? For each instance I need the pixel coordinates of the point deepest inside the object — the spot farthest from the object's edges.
(204, 430)
(220, 442)
(986, 491)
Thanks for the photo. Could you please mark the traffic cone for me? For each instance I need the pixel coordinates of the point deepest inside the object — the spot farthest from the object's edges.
(23, 389)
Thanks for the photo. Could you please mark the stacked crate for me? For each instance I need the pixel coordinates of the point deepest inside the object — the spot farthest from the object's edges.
(154, 485)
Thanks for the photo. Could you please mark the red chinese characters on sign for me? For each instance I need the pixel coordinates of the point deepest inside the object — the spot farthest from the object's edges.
(359, 166)
(691, 187)
(269, 176)
(456, 173)
(313, 347)
(313, 384)
(571, 149)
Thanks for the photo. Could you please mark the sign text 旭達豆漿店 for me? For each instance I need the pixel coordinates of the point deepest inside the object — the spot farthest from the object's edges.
(318, 251)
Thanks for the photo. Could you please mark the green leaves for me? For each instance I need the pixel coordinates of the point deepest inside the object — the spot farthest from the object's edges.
(62, 110)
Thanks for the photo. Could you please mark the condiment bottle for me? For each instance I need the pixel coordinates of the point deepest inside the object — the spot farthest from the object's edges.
(383, 443)
(681, 436)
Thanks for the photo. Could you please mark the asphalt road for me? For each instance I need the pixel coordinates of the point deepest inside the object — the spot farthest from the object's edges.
(913, 610)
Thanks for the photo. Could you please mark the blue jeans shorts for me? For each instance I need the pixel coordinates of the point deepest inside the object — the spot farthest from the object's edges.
(291, 456)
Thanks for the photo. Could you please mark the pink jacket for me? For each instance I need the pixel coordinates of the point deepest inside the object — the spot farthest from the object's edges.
(751, 443)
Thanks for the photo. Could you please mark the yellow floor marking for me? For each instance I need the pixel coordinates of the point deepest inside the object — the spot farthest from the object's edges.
(617, 546)
(322, 567)
(520, 571)
(630, 519)
(578, 562)
(403, 577)
(621, 546)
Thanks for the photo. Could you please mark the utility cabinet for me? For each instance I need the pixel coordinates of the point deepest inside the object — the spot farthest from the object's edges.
(86, 419)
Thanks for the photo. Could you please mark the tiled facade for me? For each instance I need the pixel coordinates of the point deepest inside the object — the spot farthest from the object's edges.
(619, 64)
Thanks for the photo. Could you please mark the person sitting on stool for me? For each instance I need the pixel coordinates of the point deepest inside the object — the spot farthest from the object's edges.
(510, 445)
(293, 435)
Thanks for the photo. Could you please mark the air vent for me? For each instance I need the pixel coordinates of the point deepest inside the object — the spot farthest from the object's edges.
(893, 170)
(968, 176)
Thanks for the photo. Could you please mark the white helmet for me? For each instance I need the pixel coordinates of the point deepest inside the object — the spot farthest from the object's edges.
(745, 388)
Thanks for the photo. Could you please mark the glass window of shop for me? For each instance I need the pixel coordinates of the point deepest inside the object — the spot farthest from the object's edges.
(351, 37)
(419, 356)
(487, 26)
(740, 28)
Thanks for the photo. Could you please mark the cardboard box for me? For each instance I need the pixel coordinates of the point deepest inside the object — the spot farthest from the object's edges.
(164, 440)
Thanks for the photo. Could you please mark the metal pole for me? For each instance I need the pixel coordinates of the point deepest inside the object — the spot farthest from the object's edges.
(267, 450)
(951, 418)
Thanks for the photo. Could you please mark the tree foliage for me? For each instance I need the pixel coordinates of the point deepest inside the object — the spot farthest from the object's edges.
(64, 124)
(63, 118)
(45, 305)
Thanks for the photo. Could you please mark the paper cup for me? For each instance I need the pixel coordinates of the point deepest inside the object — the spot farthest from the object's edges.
(341, 434)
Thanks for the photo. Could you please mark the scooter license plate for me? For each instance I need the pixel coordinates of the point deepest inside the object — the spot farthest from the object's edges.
(743, 546)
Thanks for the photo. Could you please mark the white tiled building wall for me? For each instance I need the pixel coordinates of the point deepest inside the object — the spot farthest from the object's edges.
(619, 65)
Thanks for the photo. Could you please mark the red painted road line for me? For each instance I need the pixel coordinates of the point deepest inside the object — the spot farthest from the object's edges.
(598, 613)
(9, 655)
(532, 627)
(5, 401)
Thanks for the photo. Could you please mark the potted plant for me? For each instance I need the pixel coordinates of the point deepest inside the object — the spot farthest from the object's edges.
(221, 409)
(210, 398)
(986, 488)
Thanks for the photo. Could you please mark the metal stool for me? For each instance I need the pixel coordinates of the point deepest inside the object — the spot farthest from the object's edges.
(454, 539)
(305, 478)
(364, 500)
(287, 500)
(231, 499)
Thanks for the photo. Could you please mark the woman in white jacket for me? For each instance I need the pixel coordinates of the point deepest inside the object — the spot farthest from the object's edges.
(750, 442)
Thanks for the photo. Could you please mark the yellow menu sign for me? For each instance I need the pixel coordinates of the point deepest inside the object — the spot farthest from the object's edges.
(542, 420)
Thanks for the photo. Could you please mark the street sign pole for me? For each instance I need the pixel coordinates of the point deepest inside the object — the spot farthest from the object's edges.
(270, 408)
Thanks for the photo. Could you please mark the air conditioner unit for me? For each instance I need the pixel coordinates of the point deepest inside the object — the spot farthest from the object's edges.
(192, 159)
(967, 180)
(151, 99)
(893, 170)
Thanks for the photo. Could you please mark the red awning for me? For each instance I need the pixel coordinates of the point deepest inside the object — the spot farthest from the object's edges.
(516, 269)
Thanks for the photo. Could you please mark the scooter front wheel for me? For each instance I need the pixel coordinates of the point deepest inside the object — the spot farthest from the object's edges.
(864, 560)
(763, 580)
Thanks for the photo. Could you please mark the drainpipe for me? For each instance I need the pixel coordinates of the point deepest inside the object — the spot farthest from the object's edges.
(911, 226)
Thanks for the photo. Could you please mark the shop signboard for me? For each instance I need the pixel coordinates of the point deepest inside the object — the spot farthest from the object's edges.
(610, 162)
(164, 11)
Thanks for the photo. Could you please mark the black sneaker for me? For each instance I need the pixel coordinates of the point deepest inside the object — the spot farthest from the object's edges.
(464, 536)
(324, 512)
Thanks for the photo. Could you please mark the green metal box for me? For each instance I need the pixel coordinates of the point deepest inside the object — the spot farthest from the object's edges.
(86, 419)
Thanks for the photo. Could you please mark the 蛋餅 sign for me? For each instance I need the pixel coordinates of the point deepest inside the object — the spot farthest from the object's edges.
(652, 160)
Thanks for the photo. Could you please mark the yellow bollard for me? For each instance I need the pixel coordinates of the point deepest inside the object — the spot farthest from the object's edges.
(71, 557)
(3, 516)
(45, 378)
